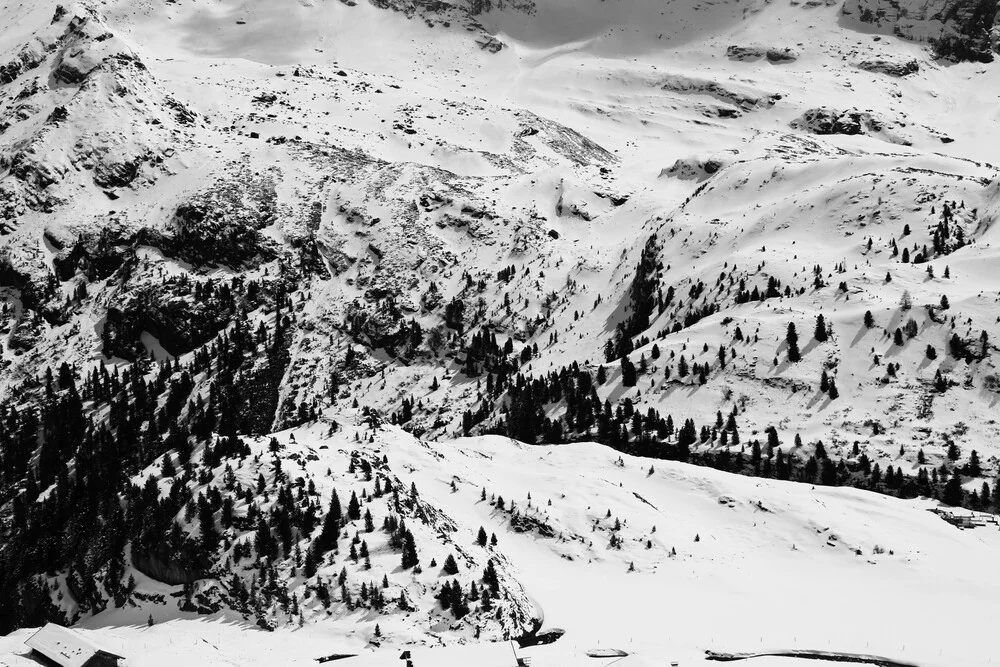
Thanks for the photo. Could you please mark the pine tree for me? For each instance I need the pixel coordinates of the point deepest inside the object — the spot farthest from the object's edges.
(629, 375)
(820, 331)
(206, 520)
(330, 534)
(450, 566)
(353, 508)
(168, 466)
(482, 538)
(906, 301)
(410, 558)
(309, 568)
(973, 468)
(953, 494)
(792, 338)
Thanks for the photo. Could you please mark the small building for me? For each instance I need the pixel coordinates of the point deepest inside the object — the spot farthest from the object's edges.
(64, 647)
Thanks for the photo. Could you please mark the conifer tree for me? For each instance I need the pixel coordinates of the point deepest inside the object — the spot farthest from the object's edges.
(629, 374)
(792, 338)
(450, 566)
(410, 558)
(953, 493)
(820, 331)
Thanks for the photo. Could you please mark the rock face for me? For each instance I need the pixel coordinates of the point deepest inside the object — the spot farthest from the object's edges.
(898, 68)
(71, 131)
(699, 167)
(740, 96)
(826, 121)
(957, 29)
(750, 53)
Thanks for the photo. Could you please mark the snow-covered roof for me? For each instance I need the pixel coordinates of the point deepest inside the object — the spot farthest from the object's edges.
(65, 647)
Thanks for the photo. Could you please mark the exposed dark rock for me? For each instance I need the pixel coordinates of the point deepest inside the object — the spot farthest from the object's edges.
(890, 67)
(828, 121)
(170, 568)
(957, 29)
(773, 55)
(98, 255)
(522, 523)
(117, 174)
(27, 59)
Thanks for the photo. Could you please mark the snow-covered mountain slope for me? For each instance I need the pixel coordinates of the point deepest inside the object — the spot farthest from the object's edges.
(553, 220)
(659, 559)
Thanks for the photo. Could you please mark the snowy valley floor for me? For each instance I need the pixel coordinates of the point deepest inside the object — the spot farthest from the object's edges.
(776, 566)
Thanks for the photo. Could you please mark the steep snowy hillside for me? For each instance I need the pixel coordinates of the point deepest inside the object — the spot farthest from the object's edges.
(417, 253)
(600, 540)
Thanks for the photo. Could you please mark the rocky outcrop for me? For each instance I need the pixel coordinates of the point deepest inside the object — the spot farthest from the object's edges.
(699, 167)
(173, 569)
(899, 68)
(29, 57)
(181, 314)
(562, 140)
(773, 55)
(78, 134)
(118, 174)
(97, 254)
(827, 121)
(743, 97)
(221, 225)
(957, 29)
(477, 7)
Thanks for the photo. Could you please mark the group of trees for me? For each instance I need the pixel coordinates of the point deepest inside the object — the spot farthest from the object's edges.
(82, 435)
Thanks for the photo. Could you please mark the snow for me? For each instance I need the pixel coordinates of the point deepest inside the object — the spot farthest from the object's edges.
(775, 566)
(646, 82)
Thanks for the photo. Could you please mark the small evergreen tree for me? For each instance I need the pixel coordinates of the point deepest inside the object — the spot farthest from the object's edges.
(410, 558)
(820, 333)
(953, 494)
(792, 338)
(629, 375)
(450, 565)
